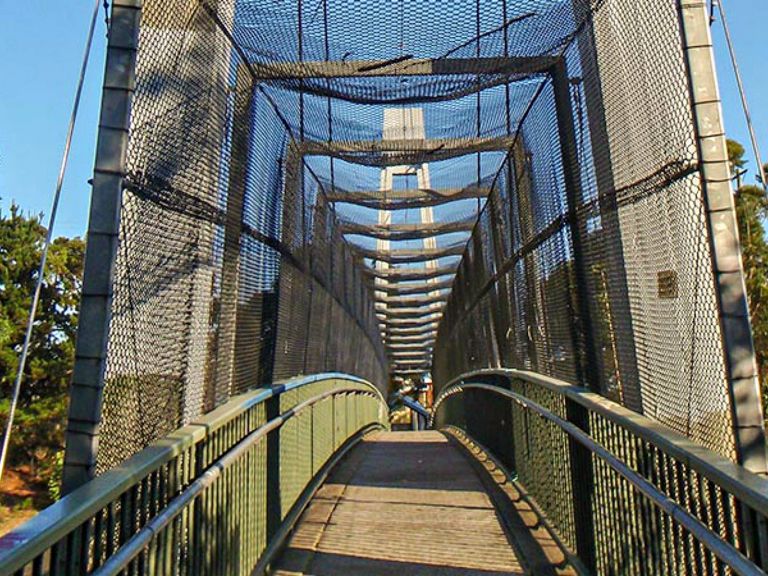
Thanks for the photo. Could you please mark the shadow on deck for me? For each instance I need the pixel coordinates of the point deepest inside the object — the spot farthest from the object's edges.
(419, 503)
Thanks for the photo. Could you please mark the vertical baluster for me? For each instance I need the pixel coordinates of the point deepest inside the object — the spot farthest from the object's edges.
(55, 559)
(84, 537)
(37, 566)
(71, 548)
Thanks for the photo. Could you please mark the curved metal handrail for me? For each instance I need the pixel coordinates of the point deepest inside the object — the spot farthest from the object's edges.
(414, 406)
(139, 541)
(712, 541)
(745, 485)
(56, 522)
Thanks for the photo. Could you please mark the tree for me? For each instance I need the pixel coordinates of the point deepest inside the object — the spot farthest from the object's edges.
(736, 159)
(39, 428)
(752, 214)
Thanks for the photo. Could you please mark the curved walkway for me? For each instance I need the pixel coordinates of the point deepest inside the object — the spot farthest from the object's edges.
(416, 503)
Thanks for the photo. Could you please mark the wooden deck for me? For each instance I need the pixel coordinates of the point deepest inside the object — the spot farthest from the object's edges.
(418, 503)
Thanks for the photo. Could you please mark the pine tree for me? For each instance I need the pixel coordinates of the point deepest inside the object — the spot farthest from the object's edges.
(752, 215)
(40, 420)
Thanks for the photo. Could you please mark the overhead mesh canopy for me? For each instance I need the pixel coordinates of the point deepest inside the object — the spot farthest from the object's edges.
(378, 188)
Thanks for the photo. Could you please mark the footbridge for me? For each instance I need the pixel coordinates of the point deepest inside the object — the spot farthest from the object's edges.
(310, 219)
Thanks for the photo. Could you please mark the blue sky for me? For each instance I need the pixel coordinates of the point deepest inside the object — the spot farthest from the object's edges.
(41, 44)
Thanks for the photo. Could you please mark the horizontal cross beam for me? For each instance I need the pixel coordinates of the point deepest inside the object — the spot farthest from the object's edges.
(406, 302)
(408, 312)
(403, 66)
(398, 346)
(419, 146)
(423, 353)
(420, 361)
(415, 321)
(424, 339)
(411, 363)
(429, 341)
(409, 354)
(413, 231)
(405, 274)
(404, 199)
(407, 371)
(414, 289)
(424, 330)
(411, 255)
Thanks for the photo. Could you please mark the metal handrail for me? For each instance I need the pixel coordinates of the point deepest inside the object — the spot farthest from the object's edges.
(35, 537)
(723, 550)
(414, 406)
(743, 484)
(128, 551)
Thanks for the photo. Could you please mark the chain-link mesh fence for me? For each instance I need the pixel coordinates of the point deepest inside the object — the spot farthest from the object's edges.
(613, 286)
(319, 185)
(232, 271)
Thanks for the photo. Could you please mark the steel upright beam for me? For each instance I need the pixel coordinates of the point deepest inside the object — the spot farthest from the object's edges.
(87, 390)
(524, 218)
(227, 333)
(582, 471)
(738, 346)
(620, 313)
(584, 329)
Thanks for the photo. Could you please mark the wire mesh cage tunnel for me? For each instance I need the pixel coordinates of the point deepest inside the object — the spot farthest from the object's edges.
(387, 189)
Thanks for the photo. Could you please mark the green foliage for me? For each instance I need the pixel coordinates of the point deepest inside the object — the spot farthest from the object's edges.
(752, 215)
(736, 154)
(54, 475)
(736, 160)
(39, 428)
(26, 504)
(751, 212)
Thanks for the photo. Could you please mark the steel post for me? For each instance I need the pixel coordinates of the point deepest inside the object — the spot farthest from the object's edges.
(738, 346)
(87, 389)
(589, 363)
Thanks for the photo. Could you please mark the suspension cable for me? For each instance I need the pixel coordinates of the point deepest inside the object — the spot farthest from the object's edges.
(46, 246)
(742, 92)
(106, 17)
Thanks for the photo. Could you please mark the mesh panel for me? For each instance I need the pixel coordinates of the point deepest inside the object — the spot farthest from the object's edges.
(232, 271)
(317, 185)
(640, 215)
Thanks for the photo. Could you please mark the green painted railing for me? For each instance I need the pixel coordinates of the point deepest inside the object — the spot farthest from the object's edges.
(627, 495)
(215, 497)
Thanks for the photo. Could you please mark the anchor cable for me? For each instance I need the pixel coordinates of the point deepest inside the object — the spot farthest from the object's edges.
(742, 92)
(46, 246)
